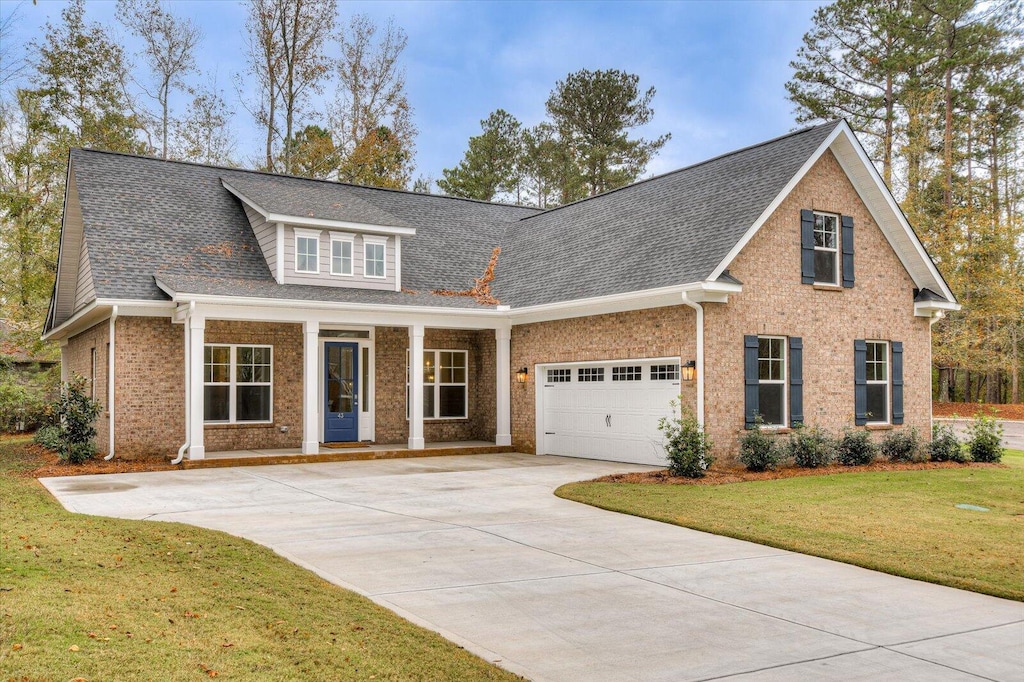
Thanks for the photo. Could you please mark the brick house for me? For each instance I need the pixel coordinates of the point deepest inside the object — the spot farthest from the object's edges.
(216, 309)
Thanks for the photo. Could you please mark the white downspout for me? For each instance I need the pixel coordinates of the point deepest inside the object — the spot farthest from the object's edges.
(110, 382)
(700, 356)
(188, 375)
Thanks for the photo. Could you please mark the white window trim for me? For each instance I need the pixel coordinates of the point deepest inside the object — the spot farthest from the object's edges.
(233, 382)
(438, 384)
(887, 382)
(383, 242)
(302, 233)
(351, 241)
(833, 251)
(784, 381)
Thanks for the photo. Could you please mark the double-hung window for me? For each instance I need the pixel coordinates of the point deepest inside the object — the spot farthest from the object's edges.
(826, 248)
(771, 380)
(341, 255)
(373, 257)
(877, 370)
(307, 251)
(445, 385)
(237, 383)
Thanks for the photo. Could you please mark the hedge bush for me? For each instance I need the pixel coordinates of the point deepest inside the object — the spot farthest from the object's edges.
(49, 437)
(686, 445)
(945, 447)
(74, 415)
(902, 446)
(856, 448)
(758, 450)
(985, 439)
(810, 447)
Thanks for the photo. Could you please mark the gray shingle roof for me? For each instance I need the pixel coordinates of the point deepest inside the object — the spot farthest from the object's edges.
(309, 199)
(672, 229)
(261, 288)
(146, 217)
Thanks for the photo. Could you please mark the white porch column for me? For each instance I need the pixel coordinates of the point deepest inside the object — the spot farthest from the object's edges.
(503, 339)
(310, 389)
(196, 330)
(416, 441)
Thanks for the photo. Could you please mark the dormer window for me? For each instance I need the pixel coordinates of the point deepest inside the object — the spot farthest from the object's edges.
(826, 249)
(307, 251)
(341, 255)
(373, 257)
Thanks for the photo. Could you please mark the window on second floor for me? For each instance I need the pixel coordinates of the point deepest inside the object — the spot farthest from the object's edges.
(373, 258)
(341, 256)
(307, 252)
(826, 248)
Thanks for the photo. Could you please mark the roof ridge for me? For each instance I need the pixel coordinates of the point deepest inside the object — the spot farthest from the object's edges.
(793, 133)
(146, 157)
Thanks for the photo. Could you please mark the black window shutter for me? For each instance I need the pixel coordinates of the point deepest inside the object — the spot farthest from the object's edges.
(796, 380)
(750, 403)
(897, 382)
(806, 246)
(860, 382)
(847, 238)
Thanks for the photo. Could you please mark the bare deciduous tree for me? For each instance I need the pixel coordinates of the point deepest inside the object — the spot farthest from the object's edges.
(170, 50)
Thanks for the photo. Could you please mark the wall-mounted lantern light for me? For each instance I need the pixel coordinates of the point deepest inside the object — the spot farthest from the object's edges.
(522, 375)
(689, 370)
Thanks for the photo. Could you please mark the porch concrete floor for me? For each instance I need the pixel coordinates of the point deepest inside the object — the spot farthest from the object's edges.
(368, 447)
(478, 549)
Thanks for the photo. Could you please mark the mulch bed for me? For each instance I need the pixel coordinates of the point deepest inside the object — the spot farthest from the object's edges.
(718, 476)
(968, 410)
(51, 466)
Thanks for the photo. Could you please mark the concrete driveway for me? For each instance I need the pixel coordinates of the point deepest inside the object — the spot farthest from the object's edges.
(478, 549)
(1013, 431)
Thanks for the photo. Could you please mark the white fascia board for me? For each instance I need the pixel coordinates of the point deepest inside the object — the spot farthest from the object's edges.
(929, 308)
(896, 211)
(710, 291)
(324, 223)
(600, 305)
(776, 202)
(100, 310)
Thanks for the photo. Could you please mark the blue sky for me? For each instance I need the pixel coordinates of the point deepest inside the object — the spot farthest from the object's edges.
(719, 67)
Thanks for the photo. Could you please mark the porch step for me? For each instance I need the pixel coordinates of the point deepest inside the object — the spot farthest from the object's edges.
(345, 456)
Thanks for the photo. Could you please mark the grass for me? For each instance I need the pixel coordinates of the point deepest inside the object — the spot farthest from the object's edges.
(99, 598)
(900, 522)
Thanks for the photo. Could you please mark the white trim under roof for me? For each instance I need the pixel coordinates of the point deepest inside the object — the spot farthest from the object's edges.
(324, 223)
(893, 218)
(99, 310)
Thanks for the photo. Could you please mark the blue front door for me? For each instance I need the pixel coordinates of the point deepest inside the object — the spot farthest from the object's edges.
(341, 394)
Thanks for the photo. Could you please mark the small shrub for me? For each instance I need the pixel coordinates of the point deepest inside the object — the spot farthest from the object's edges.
(758, 450)
(75, 415)
(985, 439)
(686, 445)
(49, 437)
(810, 447)
(944, 446)
(902, 446)
(856, 448)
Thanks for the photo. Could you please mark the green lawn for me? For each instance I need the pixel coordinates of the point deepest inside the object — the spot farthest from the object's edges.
(103, 599)
(900, 522)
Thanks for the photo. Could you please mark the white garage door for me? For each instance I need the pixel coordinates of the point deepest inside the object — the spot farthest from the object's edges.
(607, 410)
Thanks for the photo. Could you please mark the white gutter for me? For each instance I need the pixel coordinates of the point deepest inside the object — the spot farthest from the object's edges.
(110, 382)
(188, 376)
(700, 355)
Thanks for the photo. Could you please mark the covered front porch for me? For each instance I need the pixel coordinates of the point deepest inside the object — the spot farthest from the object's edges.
(269, 383)
(360, 452)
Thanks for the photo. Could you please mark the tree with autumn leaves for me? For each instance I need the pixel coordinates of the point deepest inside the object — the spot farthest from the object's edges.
(936, 88)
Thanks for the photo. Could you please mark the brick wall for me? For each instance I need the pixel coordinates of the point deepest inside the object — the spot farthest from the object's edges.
(78, 356)
(288, 352)
(774, 302)
(391, 344)
(653, 333)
